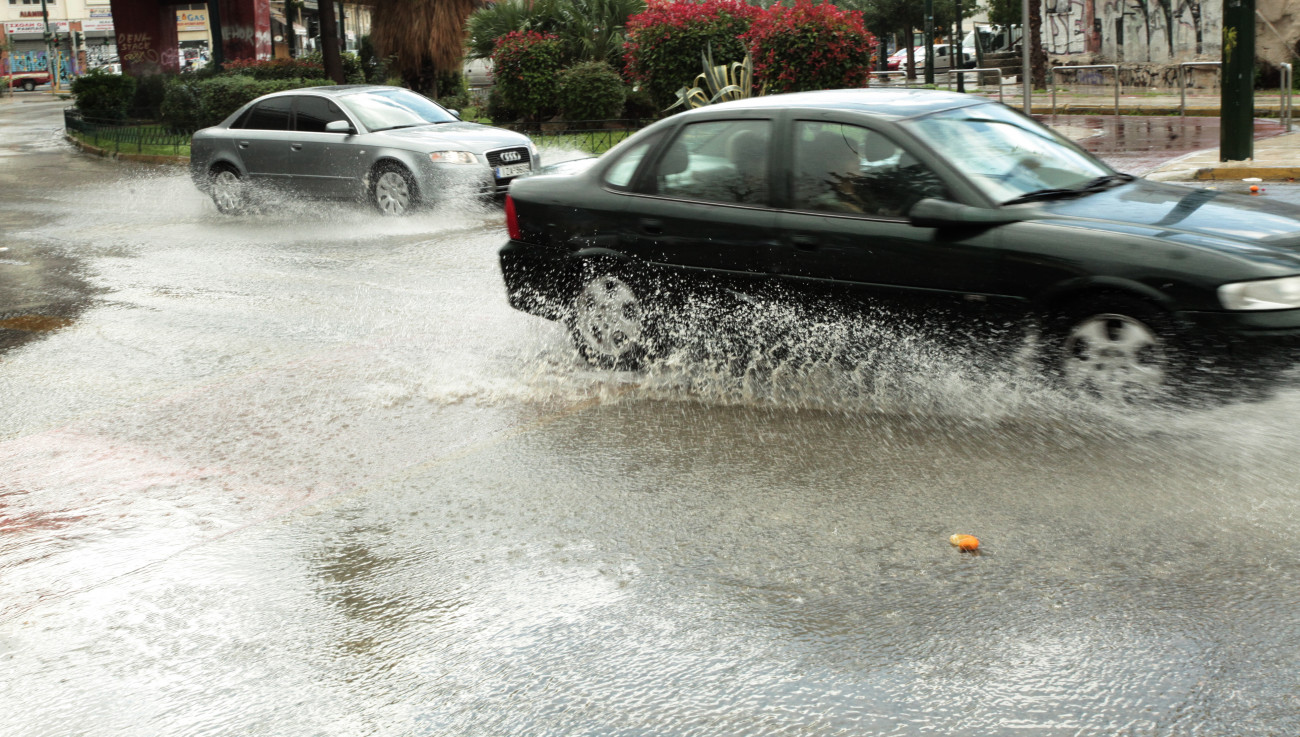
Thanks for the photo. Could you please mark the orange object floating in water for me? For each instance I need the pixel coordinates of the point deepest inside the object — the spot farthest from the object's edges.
(965, 543)
(1254, 189)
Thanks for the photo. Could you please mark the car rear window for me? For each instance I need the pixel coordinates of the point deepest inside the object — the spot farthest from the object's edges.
(269, 115)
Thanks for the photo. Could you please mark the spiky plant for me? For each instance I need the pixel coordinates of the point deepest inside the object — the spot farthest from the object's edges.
(718, 83)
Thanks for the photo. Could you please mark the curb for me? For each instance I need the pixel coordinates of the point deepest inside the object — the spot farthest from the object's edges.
(1266, 173)
(120, 156)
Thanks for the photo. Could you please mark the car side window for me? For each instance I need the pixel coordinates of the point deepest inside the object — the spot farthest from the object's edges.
(312, 113)
(716, 161)
(619, 174)
(270, 115)
(853, 170)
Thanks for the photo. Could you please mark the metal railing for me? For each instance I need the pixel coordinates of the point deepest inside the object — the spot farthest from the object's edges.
(126, 135)
(1182, 83)
(1113, 67)
(1285, 112)
(964, 72)
(907, 83)
(592, 136)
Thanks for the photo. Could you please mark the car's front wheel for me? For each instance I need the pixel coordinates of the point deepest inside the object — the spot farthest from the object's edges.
(29, 85)
(393, 190)
(1117, 349)
(228, 189)
(610, 323)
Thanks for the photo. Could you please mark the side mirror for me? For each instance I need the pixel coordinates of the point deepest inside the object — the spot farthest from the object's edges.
(934, 213)
(339, 126)
(455, 113)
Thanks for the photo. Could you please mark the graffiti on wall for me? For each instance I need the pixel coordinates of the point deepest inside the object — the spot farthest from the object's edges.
(136, 48)
(1160, 31)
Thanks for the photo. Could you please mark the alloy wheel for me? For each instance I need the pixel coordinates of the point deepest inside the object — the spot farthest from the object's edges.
(1114, 356)
(392, 193)
(227, 190)
(608, 320)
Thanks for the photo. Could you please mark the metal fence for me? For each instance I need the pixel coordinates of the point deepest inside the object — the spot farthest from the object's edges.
(127, 135)
(593, 136)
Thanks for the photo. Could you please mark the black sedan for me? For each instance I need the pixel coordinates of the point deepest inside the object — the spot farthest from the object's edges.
(916, 200)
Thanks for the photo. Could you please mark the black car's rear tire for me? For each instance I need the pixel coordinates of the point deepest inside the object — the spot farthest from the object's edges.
(610, 323)
(393, 190)
(1117, 348)
(29, 85)
(229, 190)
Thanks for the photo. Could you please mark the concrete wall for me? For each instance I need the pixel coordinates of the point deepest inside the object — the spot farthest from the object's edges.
(1149, 38)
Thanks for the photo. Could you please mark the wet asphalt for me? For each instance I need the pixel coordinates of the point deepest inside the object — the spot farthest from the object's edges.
(305, 473)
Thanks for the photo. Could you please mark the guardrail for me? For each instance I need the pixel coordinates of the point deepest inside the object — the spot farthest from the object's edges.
(964, 72)
(127, 135)
(592, 136)
(911, 83)
(1286, 96)
(1182, 84)
(1113, 67)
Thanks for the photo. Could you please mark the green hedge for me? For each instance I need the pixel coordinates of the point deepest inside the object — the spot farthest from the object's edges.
(104, 96)
(199, 103)
(591, 90)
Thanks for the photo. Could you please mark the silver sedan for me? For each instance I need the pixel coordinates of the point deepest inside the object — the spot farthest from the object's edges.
(386, 144)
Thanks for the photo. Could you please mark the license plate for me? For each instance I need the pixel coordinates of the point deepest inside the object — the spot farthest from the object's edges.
(514, 170)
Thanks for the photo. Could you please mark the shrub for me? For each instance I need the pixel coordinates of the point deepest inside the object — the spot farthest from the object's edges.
(497, 109)
(666, 41)
(302, 68)
(810, 47)
(639, 105)
(591, 90)
(527, 69)
(353, 71)
(102, 95)
(148, 97)
(180, 107)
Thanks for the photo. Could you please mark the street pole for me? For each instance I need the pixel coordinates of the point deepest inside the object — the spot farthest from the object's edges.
(1237, 94)
(929, 41)
(218, 37)
(49, 52)
(1026, 75)
(960, 58)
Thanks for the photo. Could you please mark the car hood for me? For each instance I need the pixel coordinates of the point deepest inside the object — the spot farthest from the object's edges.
(1229, 222)
(472, 136)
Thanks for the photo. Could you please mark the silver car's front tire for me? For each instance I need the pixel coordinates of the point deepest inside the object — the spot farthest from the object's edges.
(229, 192)
(393, 191)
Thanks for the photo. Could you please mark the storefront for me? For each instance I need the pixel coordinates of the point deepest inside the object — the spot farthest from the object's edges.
(28, 52)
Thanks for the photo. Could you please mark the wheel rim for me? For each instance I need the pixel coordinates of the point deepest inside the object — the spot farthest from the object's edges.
(392, 194)
(608, 318)
(1114, 356)
(227, 190)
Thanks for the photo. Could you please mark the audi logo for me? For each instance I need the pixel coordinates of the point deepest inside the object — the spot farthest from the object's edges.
(511, 156)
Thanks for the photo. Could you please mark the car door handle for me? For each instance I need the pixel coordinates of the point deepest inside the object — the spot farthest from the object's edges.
(243, 144)
(805, 242)
(296, 146)
(652, 226)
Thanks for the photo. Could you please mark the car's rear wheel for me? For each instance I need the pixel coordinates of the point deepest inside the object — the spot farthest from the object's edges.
(610, 323)
(1116, 348)
(228, 189)
(393, 190)
(29, 85)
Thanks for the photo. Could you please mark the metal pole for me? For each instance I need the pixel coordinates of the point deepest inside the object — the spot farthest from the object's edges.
(49, 53)
(1237, 97)
(1287, 83)
(1027, 77)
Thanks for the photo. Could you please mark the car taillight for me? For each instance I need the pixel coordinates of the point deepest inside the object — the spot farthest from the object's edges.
(512, 220)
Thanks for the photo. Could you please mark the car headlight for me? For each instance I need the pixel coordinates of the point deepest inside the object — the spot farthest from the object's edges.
(1269, 294)
(453, 157)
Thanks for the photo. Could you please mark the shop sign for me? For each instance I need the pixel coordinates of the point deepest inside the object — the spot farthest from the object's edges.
(101, 12)
(35, 26)
(189, 20)
(100, 24)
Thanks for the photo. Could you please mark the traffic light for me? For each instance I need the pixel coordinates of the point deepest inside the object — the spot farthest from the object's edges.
(76, 40)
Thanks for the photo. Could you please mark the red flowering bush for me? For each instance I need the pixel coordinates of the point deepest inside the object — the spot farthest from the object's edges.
(665, 42)
(810, 47)
(527, 68)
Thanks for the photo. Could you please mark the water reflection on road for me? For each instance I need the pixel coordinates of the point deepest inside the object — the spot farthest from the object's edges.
(306, 473)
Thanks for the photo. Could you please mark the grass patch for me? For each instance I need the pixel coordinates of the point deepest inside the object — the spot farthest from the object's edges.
(136, 139)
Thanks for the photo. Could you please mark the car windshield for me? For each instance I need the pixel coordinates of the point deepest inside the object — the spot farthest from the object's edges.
(386, 109)
(1007, 154)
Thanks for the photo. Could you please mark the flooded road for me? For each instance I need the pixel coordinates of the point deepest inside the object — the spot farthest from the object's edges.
(306, 473)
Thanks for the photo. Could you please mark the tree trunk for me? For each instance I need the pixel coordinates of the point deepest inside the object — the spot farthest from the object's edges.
(329, 43)
(1037, 55)
(911, 54)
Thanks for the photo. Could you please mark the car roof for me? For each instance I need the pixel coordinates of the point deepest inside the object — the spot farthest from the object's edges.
(337, 90)
(892, 104)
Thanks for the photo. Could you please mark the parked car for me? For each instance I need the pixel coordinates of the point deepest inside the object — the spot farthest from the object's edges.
(479, 73)
(917, 202)
(943, 57)
(29, 80)
(896, 59)
(386, 144)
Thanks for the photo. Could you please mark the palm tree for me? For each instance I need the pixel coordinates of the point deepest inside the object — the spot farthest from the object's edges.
(590, 30)
(424, 37)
